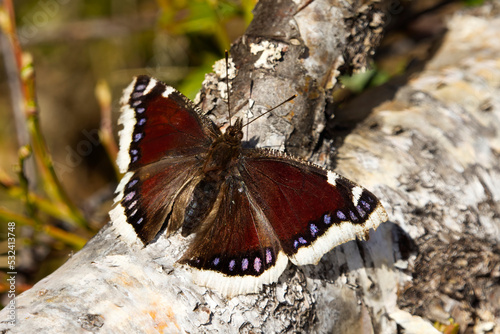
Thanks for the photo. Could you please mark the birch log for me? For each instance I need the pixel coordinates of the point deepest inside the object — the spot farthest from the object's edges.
(431, 154)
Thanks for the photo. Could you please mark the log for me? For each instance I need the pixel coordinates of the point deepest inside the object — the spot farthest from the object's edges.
(430, 154)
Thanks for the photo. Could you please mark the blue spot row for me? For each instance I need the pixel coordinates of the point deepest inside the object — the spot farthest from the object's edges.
(130, 203)
(235, 266)
(136, 103)
(361, 212)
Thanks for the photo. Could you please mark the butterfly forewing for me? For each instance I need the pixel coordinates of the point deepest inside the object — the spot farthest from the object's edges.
(311, 209)
(158, 121)
(162, 146)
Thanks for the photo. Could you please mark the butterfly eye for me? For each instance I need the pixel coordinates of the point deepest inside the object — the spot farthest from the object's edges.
(235, 133)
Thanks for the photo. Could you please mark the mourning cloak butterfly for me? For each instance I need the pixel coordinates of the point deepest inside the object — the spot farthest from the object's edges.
(251, 210)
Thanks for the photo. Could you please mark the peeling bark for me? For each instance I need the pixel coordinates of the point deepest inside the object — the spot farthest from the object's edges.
(295, 48)
(430, 154)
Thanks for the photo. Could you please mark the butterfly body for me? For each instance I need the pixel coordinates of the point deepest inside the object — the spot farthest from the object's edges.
(221, 160)
(251, 210)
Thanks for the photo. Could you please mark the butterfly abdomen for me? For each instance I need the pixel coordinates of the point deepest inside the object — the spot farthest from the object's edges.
(202, 201)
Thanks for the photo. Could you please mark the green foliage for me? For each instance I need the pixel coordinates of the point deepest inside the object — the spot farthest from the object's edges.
(358, 82)
(473, 3)
(208, 18)
(209, 26)
(192, 82)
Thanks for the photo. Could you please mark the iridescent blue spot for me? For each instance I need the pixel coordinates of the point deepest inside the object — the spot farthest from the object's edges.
(133, 151)
(361, 212)
(133, 213)
(140, 221)
(365, 205)
(269, 256)
(132, 205)
(341, 215)
(129, 196)
(136, 103)
(257, 264)
(353, 216)
(135, 158)
(137, 137)
(302, 241)
(327, 220)
(140, 87)
(132, 183)
(232, 263)
(314, 229)
(141, 121)
(136, 95)
(216, 261)
(295, 244)
(244, 264)
(140, 110)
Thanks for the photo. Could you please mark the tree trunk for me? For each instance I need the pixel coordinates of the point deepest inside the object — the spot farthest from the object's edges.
(430, 154)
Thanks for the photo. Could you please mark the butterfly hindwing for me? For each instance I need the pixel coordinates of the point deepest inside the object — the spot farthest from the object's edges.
(237, 251)
(146, 197)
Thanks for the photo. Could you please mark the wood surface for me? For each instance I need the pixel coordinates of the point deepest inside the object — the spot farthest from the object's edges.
(430, 152)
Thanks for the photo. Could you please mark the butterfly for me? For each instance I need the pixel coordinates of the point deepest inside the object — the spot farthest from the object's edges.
(250, 210)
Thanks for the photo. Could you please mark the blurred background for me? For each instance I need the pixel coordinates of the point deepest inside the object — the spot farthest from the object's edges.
(82, 50)
(83, 54)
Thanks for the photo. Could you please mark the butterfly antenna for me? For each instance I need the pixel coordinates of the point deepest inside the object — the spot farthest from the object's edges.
(250, 104)
(227, 86)
(275, 107)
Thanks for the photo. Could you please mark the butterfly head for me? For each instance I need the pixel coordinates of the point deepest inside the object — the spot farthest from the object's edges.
(233, 134)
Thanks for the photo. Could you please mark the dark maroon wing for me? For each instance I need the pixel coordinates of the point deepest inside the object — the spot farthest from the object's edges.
(272, 208)
(236, 251)
(162, 145)
(147, 197)
(311, 210)
(158, 121)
